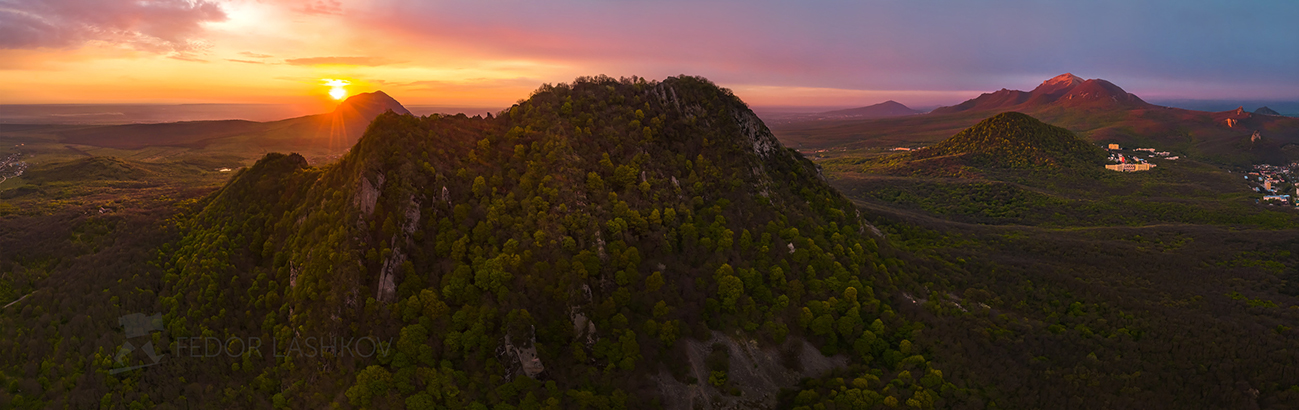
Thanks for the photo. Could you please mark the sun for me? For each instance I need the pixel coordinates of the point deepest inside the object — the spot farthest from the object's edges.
(336, 90)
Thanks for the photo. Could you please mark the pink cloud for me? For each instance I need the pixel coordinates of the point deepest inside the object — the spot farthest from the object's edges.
(331, 7)
(157, 26)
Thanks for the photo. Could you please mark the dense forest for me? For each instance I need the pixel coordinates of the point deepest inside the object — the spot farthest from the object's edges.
(624, 243)
(595, 227)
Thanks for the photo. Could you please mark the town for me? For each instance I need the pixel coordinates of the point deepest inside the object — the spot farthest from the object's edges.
(12, 166)
(1276, 183)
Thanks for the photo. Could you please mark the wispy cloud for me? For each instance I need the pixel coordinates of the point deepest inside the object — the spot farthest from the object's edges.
(254, 55)
(244, 61)
(332, 7)
(186, 57)
(359, 61)
(157, 26)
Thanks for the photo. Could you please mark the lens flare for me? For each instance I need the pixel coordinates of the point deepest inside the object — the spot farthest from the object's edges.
(336, 87)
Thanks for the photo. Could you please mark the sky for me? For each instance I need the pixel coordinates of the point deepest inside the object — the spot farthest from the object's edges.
(490, 53)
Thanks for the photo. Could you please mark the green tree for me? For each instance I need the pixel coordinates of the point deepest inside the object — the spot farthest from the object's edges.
(594, 183)
(480, 186)
(374, 381)
(729, 289)
(822, 325)
(493, 275)
(654, 282)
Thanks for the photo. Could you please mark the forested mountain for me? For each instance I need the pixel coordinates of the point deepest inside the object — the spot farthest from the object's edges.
(1009, 142)
(605, 243)
(1015, 140)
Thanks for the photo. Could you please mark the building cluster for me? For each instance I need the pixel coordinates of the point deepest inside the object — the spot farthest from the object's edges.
(1152, 153)
(12, 166)
(1131, 162)
(1276, 183)
(1145, 166)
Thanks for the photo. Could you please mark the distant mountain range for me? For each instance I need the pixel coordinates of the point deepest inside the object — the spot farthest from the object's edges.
(335, 131)
(1095, 109)
(1283, 107)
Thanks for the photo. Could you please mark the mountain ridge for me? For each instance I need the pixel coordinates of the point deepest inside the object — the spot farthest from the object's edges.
(1095, 109)
(1063, 90)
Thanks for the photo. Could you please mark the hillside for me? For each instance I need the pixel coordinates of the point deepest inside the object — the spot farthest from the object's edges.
(88, 169)
(1015, 140)
(1006, 143)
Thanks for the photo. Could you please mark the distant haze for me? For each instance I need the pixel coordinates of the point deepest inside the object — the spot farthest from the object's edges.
(1290, 108)
(110, 114)
(106, 114)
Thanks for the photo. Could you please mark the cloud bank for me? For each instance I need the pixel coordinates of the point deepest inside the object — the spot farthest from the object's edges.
(155, 25)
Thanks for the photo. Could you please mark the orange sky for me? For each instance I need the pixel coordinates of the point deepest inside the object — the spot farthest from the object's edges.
(491, 54)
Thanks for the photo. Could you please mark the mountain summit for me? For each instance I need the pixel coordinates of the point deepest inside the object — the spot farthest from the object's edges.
(349, 120)
(1060, 82)
(370, 105)
(1062, 90)
(1266, 111)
